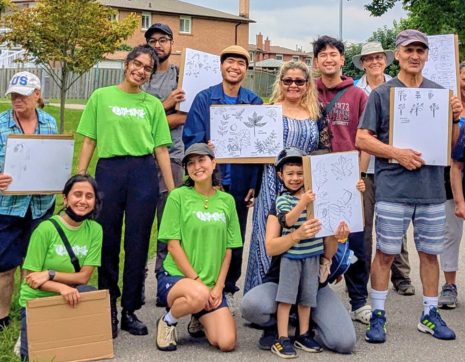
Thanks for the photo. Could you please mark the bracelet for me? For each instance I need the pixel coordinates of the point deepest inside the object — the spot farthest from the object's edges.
(342, 241)
(197, 277)
(455, 122)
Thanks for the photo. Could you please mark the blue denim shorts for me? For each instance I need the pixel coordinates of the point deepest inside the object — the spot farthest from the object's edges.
(166, 282)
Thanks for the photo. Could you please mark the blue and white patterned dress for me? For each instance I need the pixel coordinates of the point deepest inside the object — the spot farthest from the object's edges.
(303, 134)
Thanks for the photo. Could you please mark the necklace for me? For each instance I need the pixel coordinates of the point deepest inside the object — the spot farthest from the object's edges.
(205, 201)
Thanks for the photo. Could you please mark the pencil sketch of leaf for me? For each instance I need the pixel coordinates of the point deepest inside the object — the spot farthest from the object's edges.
(238, 114)
(330, 217)
(342, 168)
(226, 116)
(320, 175)
(259, 147)
(269, 145)
(254, 122)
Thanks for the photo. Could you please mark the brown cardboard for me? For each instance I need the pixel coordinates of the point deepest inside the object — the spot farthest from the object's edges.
(56, 332)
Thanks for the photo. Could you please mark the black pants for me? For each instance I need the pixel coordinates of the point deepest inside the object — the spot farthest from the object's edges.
(357, 274)
(130, 189)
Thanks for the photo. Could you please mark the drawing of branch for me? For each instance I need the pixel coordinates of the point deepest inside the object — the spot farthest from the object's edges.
(272, 114)
(237, 144)
(220, 149)
(402, 95)
(434, 107)
(401, 108)
(430, 94)
(342, 168)
(254, 122)
(220, 110)
(417, 107)
(417, 95)
(320, 175)
(268, 145)
(238, 114)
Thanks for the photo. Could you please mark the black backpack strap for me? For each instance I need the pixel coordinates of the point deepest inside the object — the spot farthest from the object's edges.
(177, 74)
(69, 249)
(333, 102)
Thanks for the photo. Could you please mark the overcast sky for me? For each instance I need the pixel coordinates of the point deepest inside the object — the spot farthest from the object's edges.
(300, 21)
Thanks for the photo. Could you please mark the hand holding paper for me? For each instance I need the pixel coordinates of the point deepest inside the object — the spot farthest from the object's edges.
(5, 181)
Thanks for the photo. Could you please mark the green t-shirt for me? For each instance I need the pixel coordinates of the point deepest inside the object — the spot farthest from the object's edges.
(47, 251)
(124, 124)
(205, 234)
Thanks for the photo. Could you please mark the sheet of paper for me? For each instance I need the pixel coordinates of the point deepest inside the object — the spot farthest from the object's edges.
(246, 130)
(421, 117)
(199, 71)
(38, 164)
(334, 180)
(441, 66)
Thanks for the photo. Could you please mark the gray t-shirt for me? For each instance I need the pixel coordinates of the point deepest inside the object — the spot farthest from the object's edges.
(161, 86)
(394, 183)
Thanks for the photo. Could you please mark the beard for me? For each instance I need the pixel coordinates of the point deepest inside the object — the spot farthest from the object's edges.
(165, 57)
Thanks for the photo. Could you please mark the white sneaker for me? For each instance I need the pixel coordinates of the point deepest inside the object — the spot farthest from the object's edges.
(231, 303)
(362, 314)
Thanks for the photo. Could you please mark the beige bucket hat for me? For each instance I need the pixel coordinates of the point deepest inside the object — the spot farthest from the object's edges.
(372, 47)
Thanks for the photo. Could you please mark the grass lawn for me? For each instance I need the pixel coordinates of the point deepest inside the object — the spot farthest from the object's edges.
(10, 335)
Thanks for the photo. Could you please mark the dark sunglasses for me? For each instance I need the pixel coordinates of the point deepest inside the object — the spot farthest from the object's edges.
(298, 82)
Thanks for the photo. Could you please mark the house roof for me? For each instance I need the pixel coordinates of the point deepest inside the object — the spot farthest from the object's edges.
(174, 7)
(269, 63)
(279, 50)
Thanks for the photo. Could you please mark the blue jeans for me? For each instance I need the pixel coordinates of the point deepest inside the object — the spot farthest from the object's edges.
(24, 352)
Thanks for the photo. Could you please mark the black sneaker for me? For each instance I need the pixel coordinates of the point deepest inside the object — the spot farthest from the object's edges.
(130, 323)
(283, 348)
(307, 343)
(114, 319)
(269, 336)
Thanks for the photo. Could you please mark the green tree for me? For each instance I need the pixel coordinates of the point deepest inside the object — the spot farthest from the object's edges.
(73, 34)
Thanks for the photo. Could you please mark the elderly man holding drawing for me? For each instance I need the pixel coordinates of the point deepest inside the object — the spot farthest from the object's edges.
(239, 180)
(407, 189)
(20, 214)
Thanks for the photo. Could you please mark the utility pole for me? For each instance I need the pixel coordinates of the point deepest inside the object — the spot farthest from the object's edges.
(340, 20)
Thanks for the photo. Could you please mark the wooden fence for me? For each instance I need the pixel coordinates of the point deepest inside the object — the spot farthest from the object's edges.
(257, 81)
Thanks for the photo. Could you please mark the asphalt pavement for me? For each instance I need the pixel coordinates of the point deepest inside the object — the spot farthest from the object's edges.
(404, 342)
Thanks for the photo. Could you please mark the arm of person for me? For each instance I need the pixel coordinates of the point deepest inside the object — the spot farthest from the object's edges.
(163, 158)
(36, 279)
(276, 244)
(70, 294)
(217, 292)
(195, 128)
(174, 98)
(294, 214)
(456, 179)
(457, 109)
(181, 260)
(5, 181)
(87, 150)
(364, 161)
(176, 120)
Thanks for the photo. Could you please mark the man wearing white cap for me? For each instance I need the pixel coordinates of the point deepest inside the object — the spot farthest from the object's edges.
(405, 191)
(374, 60)
(20, 214)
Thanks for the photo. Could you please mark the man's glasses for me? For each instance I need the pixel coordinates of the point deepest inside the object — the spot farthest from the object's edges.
(298, 82)
(161, 41)
(378, 58)
(139, 65)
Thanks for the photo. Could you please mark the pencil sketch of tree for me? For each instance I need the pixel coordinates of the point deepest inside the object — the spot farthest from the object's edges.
(401, 108)
(434, 107)
(417, 107)
(254, 122)
(239, 142)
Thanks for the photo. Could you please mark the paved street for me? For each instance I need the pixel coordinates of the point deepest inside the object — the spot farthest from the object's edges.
(404, 342)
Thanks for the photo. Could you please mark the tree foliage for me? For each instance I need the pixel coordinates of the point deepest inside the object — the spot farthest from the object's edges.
(73, 34)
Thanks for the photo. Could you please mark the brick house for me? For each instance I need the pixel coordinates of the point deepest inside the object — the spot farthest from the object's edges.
(192, 25)
(263, 50)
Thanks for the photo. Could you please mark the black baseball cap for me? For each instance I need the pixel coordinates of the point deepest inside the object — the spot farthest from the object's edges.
(198, 149)
(158, 27)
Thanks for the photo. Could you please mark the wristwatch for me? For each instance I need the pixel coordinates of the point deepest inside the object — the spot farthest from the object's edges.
(456, 122)
(51, 274)
(363, 174)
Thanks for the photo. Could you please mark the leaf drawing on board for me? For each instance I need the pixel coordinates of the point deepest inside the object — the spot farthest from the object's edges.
(331, 215)
(417, 95)
(320, 175)
(402, 95)
(239, 142)
(254, 122)
(220, 110)
(430, 94)
(342, 168)
(238, 114)
(269, 145)
(417, 107)
(434, 107)
(401, 108)
(272, 114)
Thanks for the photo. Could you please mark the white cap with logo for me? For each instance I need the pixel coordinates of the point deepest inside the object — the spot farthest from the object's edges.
(23, 83)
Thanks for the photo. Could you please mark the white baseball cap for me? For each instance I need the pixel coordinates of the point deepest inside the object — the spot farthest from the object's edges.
(23, 83)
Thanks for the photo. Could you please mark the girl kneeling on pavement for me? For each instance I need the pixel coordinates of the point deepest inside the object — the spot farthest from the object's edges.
(201, 226)
(48, 264)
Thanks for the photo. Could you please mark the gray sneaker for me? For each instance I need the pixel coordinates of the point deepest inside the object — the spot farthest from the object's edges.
(448, 297)
(231, 303)
(405, 287)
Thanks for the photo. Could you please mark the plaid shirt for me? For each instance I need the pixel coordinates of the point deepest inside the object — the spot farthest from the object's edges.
(18, 205)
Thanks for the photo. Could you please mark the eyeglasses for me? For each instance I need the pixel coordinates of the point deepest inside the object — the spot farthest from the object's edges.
(378, 58)
(161, 41)
(14, 96)
(298, 82)
(139, 65)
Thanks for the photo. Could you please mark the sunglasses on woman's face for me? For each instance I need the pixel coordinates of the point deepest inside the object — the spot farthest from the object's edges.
(298, 82)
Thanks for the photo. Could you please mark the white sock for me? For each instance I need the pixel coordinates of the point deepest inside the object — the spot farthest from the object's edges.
(168, 318)
(429, 302)
(378, 298)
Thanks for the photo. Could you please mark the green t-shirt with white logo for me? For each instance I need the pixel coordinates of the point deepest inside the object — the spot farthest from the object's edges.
(47, 251)
(205, 234)
(124, 124)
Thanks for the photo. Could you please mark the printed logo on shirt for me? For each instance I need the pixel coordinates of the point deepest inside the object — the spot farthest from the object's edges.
(340, 114)
(123, 111)
(206, 216)
(78, 250)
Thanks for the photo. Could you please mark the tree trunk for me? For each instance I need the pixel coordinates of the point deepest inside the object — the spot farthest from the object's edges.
(64, 76)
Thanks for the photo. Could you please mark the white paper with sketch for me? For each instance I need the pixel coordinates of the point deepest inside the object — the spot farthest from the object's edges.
(38, 164)
(441, 66)
(200, 71)
(334, 180)
(246, 130)
(421, 122)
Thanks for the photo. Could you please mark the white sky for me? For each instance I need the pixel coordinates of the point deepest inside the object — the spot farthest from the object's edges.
(298, 22)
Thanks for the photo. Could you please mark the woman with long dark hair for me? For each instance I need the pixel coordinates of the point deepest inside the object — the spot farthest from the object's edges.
(130, 129)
